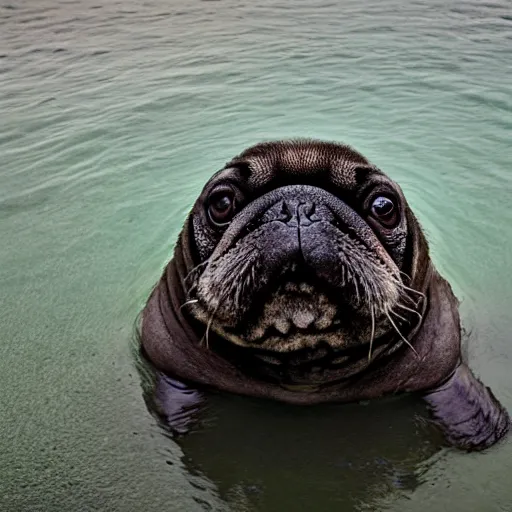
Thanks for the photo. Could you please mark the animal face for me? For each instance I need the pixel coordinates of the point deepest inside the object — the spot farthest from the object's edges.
(304, 245)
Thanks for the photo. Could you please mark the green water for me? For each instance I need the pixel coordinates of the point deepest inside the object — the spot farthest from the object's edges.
(112, 116)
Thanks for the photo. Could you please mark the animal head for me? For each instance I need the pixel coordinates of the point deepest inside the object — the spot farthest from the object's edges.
(305, 244)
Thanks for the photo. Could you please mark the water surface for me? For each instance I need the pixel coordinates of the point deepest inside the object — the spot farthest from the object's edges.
(113, 115)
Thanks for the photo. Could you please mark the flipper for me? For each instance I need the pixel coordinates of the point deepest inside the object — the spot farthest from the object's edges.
(467, 412)
(178, 403)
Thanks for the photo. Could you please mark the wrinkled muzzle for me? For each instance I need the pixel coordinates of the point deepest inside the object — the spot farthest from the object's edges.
(296, 257)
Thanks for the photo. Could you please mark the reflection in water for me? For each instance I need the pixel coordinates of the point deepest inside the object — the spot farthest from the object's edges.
(265, 455)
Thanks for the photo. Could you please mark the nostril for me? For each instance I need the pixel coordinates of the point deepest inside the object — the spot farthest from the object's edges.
(309, 209)
(306, 213)
(285, 214)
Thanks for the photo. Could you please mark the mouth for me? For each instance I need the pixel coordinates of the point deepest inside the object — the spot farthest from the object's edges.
(299, 311)
(299, 303)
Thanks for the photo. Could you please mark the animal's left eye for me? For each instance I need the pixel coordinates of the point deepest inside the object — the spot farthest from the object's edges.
(385, 211)
(221, 207)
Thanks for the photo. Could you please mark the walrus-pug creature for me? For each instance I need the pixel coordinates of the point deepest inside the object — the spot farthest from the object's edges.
(302, 275)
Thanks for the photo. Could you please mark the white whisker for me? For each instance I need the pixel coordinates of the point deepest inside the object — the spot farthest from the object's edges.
(193, 301)
(208, 331)
(401, 335)
(401, 306)
(208, 325)
(421, 294)
(406, 275)
(195, 268)
(399, 316)
(372, 335)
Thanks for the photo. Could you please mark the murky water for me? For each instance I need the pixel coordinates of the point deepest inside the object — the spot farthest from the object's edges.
(113, 115)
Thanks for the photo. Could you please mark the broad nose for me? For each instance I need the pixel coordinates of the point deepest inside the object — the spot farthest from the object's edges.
(297, 212)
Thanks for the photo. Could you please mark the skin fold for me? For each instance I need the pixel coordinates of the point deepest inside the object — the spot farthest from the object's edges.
(302, 275)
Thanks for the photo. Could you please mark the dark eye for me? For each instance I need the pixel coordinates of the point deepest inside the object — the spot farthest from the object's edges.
(221, 207)
(385, 211)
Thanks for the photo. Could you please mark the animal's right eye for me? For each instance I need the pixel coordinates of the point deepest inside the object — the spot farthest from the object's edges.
(221, 206)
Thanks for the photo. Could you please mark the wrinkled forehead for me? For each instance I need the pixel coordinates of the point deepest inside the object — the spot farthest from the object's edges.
(304, 161)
